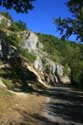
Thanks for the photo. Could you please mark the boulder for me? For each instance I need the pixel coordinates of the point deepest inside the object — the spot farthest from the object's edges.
(65, 79)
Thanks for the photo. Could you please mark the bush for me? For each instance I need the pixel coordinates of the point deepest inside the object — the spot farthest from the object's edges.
(30, 56)
(13, 39)
(7, 15)
(18, 26)
(77, 74)
(3, 93)
(3, 24)
(8, 83)
(69, 54)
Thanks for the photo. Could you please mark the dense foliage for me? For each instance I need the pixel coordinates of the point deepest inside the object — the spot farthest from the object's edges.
(7, 15)
(69, 54)
(29, 56)
(18, 26)
(18, 5)
(3, 24)
(72, 25)
(13, 39)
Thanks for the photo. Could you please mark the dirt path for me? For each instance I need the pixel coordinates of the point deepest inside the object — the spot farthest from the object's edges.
(58, 106)
(17, 109)
(65, 107)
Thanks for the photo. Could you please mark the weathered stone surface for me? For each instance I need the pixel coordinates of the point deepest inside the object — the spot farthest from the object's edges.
(56, 68)
(38, 64)
(52, 71)
(30, 41)
(65, 79)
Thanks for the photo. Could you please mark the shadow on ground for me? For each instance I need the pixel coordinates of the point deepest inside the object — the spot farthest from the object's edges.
(64, 108)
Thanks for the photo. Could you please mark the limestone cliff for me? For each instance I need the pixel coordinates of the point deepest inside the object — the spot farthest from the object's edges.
(42, 66)
(53, 72)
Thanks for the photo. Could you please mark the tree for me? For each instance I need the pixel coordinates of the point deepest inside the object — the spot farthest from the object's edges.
(72, 25)
(20, 6)
(67, 27)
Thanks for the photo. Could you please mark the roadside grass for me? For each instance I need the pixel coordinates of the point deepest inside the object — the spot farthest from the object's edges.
(5, 101)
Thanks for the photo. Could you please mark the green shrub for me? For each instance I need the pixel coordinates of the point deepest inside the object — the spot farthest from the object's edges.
(18, 26)
(69, 54)
(3, 24)
(6, 14)
(13, 39)
(29, 56)
(77, 74)
(4, 93)
(8, 83)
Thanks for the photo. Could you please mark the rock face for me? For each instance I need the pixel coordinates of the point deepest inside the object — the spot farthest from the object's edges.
(56, 68)
(65, 79)
(38, 64)
(53, 72)
(45, 69)
(30, 41)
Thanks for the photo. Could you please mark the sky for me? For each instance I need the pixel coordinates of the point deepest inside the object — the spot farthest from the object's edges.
(40, 19)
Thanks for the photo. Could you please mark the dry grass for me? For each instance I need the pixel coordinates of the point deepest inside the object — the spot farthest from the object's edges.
(5, 101)
(18, 109)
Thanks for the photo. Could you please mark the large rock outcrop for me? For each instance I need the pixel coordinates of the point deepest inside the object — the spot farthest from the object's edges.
(53, 72)
(30, 41)
(50, 71)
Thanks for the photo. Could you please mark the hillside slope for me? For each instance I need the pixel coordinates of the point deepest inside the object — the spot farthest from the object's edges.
(49, 60)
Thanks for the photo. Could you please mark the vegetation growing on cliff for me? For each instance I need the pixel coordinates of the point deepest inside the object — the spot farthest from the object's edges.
(7, 15)
(67, 53)
(18, 26)
(73, 26)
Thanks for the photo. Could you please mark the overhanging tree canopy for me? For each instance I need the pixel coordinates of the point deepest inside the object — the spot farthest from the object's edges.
(22, 6)
(72, 25)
